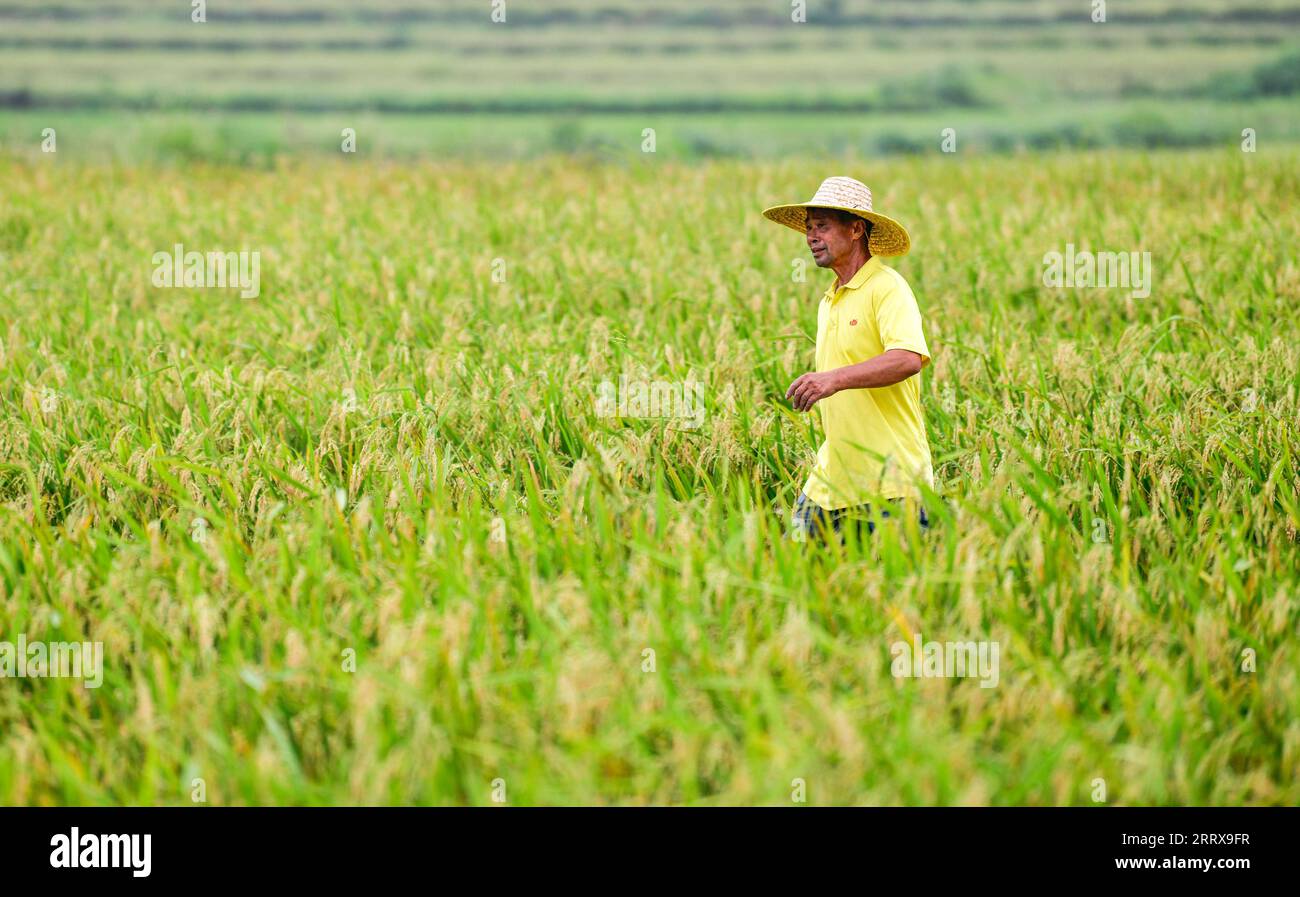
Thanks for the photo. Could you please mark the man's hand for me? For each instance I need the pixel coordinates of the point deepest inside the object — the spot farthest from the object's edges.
(808, 389)
(890, 367)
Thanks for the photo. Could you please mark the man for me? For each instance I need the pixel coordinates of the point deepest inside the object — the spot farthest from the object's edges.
(870, 348)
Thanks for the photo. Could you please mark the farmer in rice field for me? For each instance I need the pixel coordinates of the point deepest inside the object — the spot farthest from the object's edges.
(870, 348)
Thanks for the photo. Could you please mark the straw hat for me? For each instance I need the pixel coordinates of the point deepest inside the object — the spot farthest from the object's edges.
(888, 237)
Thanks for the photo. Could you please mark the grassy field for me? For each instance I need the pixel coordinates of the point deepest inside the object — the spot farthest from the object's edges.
(426, 562)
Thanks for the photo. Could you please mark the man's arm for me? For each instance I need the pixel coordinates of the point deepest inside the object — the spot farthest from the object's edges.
(890, 367)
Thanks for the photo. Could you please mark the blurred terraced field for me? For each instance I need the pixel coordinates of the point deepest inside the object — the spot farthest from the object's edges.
(720, 78)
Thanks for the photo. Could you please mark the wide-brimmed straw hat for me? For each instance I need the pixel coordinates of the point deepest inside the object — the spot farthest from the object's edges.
(888, 237)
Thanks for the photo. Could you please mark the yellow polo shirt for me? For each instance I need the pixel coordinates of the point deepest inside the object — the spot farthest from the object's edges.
(875, 438)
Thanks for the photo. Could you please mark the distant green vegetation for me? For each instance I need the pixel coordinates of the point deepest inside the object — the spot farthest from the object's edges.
(140, 78)
(259, 138)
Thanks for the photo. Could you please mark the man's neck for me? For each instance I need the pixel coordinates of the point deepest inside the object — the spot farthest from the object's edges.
(848, 268)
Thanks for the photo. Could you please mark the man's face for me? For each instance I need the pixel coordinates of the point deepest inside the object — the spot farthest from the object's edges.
(830, 239)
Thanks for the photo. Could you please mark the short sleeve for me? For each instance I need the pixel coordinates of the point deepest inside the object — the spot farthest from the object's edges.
(899, 319)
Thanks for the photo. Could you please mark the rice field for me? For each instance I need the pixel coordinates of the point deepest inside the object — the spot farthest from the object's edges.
(370, 538)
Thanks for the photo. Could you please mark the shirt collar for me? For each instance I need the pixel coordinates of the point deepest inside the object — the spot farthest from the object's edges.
(858, 279)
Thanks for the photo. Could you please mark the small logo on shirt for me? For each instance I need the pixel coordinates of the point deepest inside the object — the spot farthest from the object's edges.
(853, 323)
